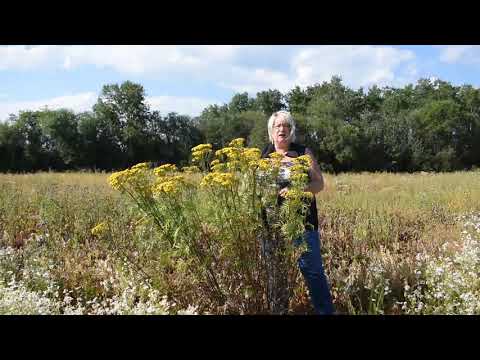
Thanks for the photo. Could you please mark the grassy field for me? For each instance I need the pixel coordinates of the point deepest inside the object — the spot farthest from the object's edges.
(390, 243)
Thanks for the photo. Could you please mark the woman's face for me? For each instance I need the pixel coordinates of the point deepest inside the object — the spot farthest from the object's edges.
(281, 132)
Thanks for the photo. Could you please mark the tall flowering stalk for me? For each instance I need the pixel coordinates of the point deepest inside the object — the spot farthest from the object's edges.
(213, 219)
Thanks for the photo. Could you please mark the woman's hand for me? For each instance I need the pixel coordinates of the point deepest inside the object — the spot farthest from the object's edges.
(283, 192)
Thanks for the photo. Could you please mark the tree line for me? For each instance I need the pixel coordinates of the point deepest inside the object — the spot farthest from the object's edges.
(428, 126)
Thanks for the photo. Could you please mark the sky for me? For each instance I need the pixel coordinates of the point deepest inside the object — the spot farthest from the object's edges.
(185, 79)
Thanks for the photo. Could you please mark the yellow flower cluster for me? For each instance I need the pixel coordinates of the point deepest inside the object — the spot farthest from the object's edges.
(299, 171)
(237, 157)
(168, 185)
(202, 147)
(200, 151)
(164, 169)
(252, 154)
(141, 166)
(99, 229)
(298, 168)
(276, 156)
(294, 194)
(304, 160)
(231, 153)
(117, 179)
(237, 143)
(121, 178)
(299, 177)
(216, 178)
(264, 164)
(275, 160)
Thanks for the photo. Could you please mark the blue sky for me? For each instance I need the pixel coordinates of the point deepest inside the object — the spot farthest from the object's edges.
(185, 79)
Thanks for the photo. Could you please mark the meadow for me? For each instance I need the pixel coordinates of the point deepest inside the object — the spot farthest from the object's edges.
(391, 244)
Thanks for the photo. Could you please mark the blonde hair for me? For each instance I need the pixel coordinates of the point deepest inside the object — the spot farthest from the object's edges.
(285, 115)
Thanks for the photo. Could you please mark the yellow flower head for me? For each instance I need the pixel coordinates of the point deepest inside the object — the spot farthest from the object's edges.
(141, 166)
(99, 229)
(165, 169)
(264, 164)
(169, 185)
(251, 154)
(253, 164)
(294, 194)
(219, 179)
(215, 162)
(232, 154)
(201, 151)
(300, 177)
(299, 169)
(276, 156)
(228, 151)
(202, 148)
(304, 160)
(237, 143)
(118, 179)
(196, 155)
(165, 187)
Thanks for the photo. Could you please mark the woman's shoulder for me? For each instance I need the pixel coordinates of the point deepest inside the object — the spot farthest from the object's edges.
(299, 148)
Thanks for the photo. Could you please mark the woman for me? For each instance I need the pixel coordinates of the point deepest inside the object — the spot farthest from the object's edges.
(281, 131)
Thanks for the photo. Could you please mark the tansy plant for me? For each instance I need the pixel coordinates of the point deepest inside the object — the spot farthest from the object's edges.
(214, 219)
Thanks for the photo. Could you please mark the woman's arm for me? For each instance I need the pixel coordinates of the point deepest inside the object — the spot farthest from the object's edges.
(316, 182)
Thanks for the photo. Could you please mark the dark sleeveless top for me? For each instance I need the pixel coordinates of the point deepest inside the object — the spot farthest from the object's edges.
(311, 221)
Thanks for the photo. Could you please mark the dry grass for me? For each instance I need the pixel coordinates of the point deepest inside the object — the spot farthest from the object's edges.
(373, 226)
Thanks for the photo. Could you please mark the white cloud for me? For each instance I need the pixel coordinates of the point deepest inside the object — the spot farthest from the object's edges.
(224, 63)
(128, 59)
(359, 65)
(77, 103)
(254, 80)
(460, 54)
(238, 68)
(24, 58)
(191, 106)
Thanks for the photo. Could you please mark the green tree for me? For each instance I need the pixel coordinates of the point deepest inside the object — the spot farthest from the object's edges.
(240, 103)
(123, 114)
(269, 101)
(180, 134)
(439, 124)
(469, 100)
(12, 144)
(88, 141)
(61, 137)
(327, 135)
(32, 141)
(213, 122)
(297, 100)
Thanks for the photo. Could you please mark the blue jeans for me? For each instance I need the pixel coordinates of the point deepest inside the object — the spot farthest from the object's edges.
(311, 266)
